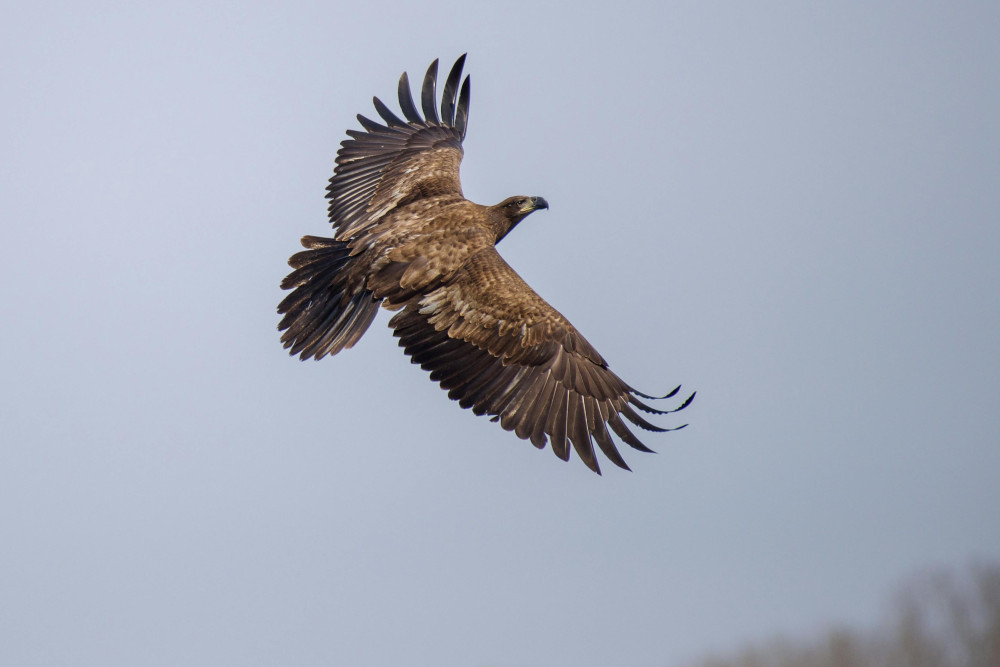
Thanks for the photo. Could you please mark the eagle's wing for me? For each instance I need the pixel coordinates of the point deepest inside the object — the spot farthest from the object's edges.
(402, 160)
(500, 349)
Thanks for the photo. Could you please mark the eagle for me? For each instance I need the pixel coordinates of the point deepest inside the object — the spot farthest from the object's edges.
(406, 239)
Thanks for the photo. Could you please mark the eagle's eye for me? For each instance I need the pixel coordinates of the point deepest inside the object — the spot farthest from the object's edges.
(519, 203)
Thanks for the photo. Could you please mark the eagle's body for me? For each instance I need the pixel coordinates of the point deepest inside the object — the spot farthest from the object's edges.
(408, 240)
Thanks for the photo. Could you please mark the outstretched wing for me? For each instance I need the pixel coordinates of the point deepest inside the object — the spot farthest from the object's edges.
(403, 160)
(500, 349)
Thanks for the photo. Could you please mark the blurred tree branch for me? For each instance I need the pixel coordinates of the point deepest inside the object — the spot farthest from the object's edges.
(936, 619)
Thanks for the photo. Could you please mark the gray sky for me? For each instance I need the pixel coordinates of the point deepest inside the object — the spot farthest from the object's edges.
(793, 209)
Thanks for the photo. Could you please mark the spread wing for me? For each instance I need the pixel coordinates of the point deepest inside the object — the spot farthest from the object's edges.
(500, 349)
(403, 160)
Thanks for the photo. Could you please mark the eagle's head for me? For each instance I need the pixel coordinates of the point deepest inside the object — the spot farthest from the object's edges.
(517, 208)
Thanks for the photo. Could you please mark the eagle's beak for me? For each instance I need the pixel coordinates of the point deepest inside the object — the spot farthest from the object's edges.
(538, 202)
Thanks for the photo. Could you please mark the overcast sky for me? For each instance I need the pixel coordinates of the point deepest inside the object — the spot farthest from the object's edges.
(793, 209)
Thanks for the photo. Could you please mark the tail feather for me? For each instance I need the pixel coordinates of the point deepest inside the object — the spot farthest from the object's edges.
(325, 313)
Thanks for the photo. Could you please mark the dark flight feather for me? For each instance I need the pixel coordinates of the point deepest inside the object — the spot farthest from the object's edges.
(428, 95)
(451, 92)
(407, 239)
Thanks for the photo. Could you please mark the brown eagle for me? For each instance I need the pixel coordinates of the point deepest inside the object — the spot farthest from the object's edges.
(406, 239)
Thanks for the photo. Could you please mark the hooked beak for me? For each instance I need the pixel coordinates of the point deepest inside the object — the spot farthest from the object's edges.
(538, 202)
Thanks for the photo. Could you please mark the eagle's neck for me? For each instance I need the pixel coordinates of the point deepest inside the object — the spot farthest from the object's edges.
(501, 224)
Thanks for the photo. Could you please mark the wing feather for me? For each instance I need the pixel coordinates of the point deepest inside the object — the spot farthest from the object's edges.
(556, 427)
(576, 423)
(604, 441)
(474, 390)
(490, 400)
(539, 407)
(387, 115)
(406, 100)
(462, 115)
(404, 159)
(428, 94)
(450, 94)
(522, 411)
(498, 348)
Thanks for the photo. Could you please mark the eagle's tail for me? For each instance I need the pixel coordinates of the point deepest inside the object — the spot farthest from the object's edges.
(326, 312)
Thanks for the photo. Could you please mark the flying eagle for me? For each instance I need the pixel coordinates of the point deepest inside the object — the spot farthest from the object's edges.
(408, 240)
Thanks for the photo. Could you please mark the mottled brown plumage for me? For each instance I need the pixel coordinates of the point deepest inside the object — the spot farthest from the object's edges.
(406, 239)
